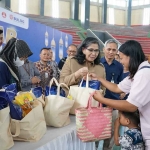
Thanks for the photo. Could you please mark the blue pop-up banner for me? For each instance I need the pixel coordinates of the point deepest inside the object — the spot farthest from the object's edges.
(35, 34)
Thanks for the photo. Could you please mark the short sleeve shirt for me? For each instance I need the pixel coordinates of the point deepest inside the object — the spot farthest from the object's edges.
(132, 140)
(139, 89)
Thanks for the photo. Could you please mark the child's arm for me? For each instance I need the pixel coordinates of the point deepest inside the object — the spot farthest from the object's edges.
(116, 132)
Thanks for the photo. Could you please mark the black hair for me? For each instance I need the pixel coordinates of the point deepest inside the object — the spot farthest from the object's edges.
(87, 42)
(134, 50)
(72, 45)
(45, 48)
(1, 31)
(132, 116)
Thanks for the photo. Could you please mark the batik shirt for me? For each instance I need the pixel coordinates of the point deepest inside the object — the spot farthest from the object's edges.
(132, 140)
(46, 73)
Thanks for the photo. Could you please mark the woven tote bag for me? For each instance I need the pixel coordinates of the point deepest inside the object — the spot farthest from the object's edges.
(93, 123)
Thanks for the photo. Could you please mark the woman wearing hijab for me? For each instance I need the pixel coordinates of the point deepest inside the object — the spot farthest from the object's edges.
(11, 57)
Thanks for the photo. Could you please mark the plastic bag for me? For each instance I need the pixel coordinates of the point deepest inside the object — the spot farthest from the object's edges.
(3, 103)
(94, 84)
(53, 91)
(37, 91)
(10, 90)
(15, 110)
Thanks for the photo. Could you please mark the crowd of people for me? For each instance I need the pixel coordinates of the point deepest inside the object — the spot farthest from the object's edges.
(124, 75)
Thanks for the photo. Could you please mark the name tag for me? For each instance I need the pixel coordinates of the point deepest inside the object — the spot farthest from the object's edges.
(46, 75)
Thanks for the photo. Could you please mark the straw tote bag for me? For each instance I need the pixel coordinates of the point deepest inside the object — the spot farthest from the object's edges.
(81, 96)
(6, 140)
(93, 123)
(57, 109)
(32, 127)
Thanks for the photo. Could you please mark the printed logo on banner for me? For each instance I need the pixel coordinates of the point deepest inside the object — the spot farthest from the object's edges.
(3, 14)
(11, 17)
(14, 19)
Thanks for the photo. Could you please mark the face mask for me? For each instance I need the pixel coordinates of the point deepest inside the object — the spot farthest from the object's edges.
(18, 62)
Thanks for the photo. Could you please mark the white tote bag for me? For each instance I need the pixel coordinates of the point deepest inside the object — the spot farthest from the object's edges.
(6, 140)
(32, 127)
(57, 108)
(81, 95)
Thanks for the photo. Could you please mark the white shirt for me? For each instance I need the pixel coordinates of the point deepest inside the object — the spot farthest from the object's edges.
(139, 89)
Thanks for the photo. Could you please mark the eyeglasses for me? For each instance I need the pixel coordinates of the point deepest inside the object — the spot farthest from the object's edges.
(93, 50)
(70, 51)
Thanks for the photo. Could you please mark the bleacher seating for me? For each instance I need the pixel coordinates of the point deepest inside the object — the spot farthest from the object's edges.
(144, 41)
(121, 33)
(64, 25)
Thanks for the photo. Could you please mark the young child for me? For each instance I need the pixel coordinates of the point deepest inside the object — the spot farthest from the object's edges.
(132, 138)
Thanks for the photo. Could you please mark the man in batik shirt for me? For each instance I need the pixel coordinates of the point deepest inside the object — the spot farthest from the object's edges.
(44, 68)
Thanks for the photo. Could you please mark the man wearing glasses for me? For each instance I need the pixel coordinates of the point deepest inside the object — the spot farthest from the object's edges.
(71, 51)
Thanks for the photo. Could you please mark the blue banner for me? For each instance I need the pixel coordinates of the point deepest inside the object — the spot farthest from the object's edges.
(35, 34)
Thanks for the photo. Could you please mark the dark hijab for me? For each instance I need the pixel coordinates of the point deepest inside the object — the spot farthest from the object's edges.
(10, 52)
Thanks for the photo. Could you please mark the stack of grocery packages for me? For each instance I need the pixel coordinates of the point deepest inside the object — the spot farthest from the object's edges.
(21, 117)
(24, 115)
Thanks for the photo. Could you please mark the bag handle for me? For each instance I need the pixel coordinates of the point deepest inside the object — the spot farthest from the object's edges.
(90, 101)
(58, 88)
(17, 125)
(53, 80)
(87, 81)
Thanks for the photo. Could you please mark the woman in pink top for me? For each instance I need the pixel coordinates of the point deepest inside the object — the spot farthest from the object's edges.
(137, 84)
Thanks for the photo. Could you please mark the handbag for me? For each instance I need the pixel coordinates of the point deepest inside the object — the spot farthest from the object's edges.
(32, 127)
(6, 140)
(52, 89)
(57, 107)
(81, 95)
(93, 123)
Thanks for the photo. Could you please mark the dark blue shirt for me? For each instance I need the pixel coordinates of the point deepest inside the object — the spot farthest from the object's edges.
(114, 72)
(5, 75)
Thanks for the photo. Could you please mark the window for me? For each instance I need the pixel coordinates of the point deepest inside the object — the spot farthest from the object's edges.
(93, 0)
(135, 2)
(117, 2)
(22, 6)
(55, 8)
(111, 15)
(140, 2)
(147, 2)
(111, 2)
(146, 17)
